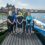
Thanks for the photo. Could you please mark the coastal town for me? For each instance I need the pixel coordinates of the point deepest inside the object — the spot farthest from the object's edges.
(8, 6)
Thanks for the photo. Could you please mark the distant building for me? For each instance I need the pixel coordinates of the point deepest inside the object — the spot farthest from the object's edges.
(12, 7)
(7, 8)
(3, 10)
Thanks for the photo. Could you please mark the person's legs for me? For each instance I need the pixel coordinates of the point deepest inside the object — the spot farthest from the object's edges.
(11, 28)
(24, 25)
(18, 30)
(14, 27)
(26, 29)
(23, 28)
(30, 30)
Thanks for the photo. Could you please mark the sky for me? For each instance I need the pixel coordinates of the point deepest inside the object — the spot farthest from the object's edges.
(28, 4)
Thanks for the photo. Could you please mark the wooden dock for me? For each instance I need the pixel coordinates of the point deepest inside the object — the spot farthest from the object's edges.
(21, 39)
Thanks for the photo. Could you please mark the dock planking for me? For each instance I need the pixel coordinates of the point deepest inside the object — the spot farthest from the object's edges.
(21, 39)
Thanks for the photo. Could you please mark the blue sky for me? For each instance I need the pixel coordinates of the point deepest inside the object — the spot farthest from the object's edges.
(31, 4)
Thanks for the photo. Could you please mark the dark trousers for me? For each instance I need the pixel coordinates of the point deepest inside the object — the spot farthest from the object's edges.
(10, 28)
(19, 25)
(28, 27)
(14, 27)
(24, 26)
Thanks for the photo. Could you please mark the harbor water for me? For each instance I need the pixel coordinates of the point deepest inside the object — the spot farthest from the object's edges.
(39, 16)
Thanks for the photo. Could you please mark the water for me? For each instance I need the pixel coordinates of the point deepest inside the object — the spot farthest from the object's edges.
(3, 17)
(39, 16)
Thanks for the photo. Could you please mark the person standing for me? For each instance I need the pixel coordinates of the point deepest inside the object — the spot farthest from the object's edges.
(10, 22)
(28, 23)
(24, 21)
(19, 21)
(14, 21)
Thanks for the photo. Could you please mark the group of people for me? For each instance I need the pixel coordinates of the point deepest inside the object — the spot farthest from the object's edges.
(22, 20)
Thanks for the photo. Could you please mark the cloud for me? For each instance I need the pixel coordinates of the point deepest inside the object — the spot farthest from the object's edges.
(21, 5)
(17, 3)
(31, 4)
(2, 3)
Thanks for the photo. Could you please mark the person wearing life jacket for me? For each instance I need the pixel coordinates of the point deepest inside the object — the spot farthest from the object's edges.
(28, 22)
(19, 20)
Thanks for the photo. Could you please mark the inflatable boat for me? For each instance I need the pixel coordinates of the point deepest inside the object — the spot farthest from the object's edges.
(39, 29)
(39, 26)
